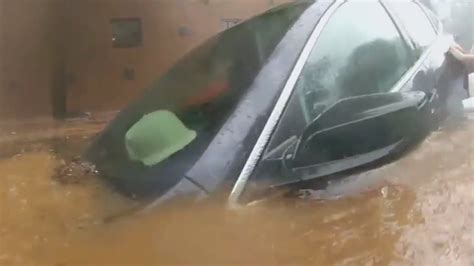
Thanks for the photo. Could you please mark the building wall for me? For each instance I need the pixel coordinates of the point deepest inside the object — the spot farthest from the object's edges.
(53, 50)
(28, 56)
(96, 68)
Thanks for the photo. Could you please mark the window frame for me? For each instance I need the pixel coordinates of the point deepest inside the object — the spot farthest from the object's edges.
(424, 56)
(276, 113)
(409, 42)
(432, 17)
(399, 22)
(117, 44)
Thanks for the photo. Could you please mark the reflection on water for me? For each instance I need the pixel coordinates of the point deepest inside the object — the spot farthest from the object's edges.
(415, 211)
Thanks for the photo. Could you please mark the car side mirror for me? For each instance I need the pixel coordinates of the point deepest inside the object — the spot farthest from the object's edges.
(356, 131)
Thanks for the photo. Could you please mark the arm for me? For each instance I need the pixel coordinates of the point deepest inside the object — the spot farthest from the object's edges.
(459, 54)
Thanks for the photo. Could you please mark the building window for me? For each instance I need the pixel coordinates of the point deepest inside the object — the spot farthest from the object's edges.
(128, 73)
(126, 32)
(229, 22)
(184, 31)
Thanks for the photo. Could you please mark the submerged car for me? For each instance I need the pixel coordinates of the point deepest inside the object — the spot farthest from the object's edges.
(304, 91)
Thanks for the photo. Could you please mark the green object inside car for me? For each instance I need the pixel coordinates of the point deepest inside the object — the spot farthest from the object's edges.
(157, 136)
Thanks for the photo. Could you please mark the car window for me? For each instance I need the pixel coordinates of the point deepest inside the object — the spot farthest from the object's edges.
(354, 55)
(416, 23)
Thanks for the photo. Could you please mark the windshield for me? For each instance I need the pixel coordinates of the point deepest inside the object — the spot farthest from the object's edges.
(201, 90)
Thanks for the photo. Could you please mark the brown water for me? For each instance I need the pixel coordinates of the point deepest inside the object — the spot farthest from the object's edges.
(416, 211)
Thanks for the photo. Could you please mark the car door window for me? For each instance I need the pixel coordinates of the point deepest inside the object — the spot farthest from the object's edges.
(416, 23)
(354, 55)
(359, 51)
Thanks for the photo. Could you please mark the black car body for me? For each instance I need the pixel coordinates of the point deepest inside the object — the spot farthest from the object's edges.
(303, 91)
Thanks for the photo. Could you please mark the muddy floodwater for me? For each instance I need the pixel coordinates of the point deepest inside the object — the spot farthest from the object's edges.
(416, 211)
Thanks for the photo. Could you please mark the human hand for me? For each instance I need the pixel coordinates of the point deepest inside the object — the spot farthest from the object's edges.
(457, 52)
(458, 47)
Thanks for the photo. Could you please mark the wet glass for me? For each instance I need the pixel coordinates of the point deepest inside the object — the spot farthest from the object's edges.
(202, 89)
(417, 23)
(349, 59)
